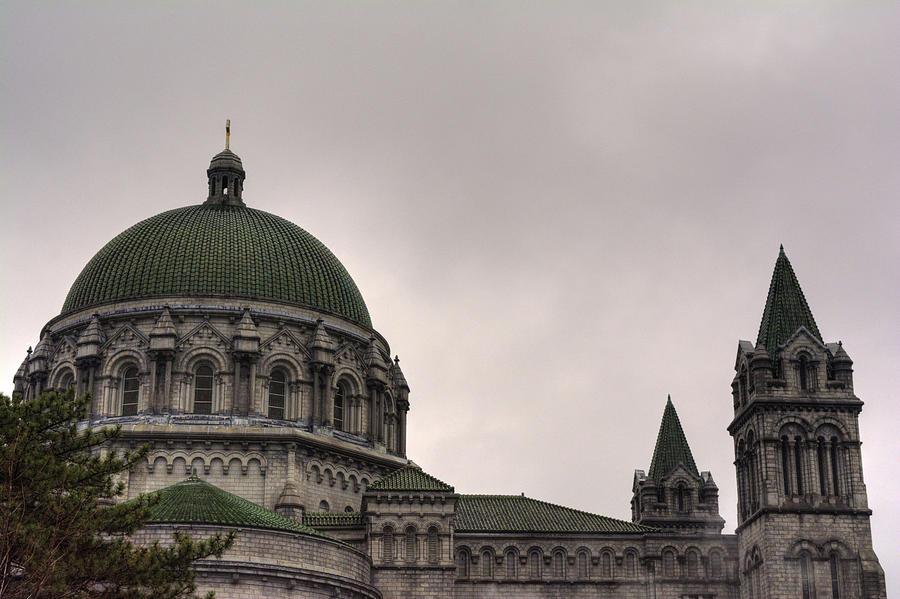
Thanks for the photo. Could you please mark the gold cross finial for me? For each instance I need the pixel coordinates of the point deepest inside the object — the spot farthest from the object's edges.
(227, 133)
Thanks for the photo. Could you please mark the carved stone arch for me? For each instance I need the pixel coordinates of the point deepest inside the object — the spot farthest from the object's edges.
(803, 546)
(254, 457)
(839, 547)
(290, 363)
(315, 470)
(803, 341)
(827, 422)
(351, 378)
(189, 361)
(59, 372)
(797, 421)
(114, 365)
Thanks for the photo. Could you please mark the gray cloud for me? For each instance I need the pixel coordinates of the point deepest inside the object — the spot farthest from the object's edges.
(557, 214)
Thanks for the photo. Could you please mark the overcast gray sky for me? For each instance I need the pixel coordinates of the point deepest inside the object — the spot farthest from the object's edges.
(557, 212)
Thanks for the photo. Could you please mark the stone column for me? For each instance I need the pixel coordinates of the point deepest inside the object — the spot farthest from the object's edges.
(252, 403)
(236, 389)
(316, 417)
(151, 401)
(167, 386)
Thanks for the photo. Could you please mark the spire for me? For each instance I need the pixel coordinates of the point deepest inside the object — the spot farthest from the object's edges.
(671, 446)
(226, 175)
(786, 308)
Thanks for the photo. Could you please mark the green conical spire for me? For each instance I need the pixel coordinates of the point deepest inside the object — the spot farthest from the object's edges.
(671, 446)
(786, 308)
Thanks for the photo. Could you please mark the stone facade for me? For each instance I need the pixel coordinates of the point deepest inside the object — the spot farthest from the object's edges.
(297, 406)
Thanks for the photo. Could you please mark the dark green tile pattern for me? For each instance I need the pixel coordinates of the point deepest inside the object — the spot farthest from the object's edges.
(219, 251)
(671, 447)
(786, 308)
(410, 478)
(194, 501)
(517, 514)
(317, 519)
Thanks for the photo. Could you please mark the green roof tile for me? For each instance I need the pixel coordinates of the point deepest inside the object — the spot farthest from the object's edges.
(410, 478)
(194, 501)
(786, 308)
(517, 513)
(220, 251)
(325, 519)
(671, 446)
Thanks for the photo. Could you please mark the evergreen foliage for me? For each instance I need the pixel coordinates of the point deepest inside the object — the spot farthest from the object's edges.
(61, 535)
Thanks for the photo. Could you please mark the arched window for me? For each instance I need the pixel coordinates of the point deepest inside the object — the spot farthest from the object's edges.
(692, 561)
(323, 506)
(785, 464)
(583, 564)
(387, 543)
(131, 386)
(339, 398)
(348, 509)
(806, 585)
(411, 553)
(835, 566)
(743, 383)
(487, 564)
(559, 564)
(434, 545)
(203, 390)
(661, 495)
(606, 565)
(668, 563)
(535, 564)
(715, 563)
(835, 478)
(277, 393)
(680, 497)
(803, 369)
(462, 563)
(225, 185)
(67, 381)
(630, 565)
(512, 564)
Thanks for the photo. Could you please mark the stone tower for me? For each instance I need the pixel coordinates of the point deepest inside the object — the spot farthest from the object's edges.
(803, 517)
(674, 495)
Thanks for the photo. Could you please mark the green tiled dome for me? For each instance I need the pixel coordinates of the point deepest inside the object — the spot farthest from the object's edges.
(222, 251)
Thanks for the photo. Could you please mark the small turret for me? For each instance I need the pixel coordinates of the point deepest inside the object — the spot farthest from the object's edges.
(377, 367)
(226, 175)
(842, 366)
(39, 361)
(322, 346)
(90, 339)
(20, 379)
(163, 334)
(760, 366)
(246, 338)
(400, 384)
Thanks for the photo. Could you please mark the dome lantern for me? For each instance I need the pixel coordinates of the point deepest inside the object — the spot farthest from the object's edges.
(226, 175)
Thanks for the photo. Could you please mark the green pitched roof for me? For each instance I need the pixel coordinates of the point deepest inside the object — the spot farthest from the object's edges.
(317, 519)
(517, 513)
(786, 308)
(671, 446)
(410, 478)
(194, 501)
(219, 251)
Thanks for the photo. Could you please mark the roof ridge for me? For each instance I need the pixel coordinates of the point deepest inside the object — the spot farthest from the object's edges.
(672, 447)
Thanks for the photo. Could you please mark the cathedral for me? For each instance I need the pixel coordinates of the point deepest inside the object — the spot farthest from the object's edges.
(239, 348)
